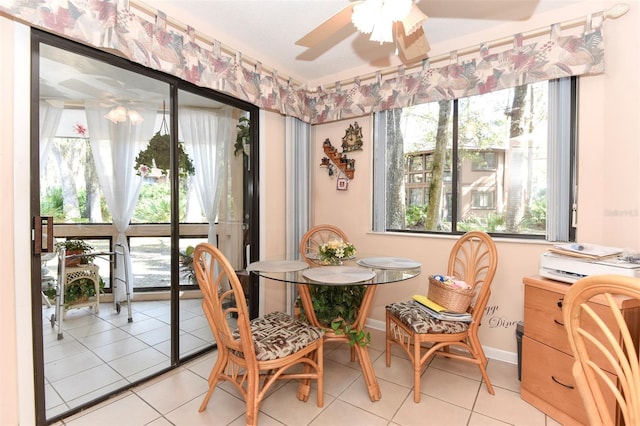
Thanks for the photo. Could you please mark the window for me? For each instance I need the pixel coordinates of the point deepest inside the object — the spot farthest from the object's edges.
(484, 161)
(491, 162)
(482, 199)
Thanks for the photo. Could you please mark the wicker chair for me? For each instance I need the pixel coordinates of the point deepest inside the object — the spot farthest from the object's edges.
(315, 237)
(258, 352)
(600, 350)
(473, 259)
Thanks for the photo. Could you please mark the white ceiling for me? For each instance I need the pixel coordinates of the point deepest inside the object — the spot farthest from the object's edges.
(266, 30)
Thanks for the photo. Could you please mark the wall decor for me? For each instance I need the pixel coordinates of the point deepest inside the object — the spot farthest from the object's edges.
(334, 159)
(352, 139)
(342, 184)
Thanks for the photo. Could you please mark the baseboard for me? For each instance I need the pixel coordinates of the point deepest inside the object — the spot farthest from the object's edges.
(491, 353)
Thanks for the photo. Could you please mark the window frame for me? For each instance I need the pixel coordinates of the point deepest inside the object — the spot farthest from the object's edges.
(561, 168)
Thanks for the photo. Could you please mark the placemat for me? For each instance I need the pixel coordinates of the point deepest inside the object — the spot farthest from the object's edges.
(388, 263)
(277, 266)
(339, 274)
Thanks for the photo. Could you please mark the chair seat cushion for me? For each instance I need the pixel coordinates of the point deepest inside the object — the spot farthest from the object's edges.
(414, 317)
(277, 335)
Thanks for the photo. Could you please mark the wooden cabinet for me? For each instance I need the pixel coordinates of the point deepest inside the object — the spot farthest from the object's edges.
(547, 381)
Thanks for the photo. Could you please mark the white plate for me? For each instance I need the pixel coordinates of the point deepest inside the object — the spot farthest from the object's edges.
(277, 266)
(388, 263)
(339, 274)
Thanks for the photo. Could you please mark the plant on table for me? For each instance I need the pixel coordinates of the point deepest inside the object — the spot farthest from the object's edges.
(335, 251)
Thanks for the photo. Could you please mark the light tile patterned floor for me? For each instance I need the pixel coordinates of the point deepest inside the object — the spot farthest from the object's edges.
(452, 394)
(100, 353)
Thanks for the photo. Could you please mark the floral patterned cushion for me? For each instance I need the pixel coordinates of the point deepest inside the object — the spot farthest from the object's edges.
(277, 335)
(412, 315)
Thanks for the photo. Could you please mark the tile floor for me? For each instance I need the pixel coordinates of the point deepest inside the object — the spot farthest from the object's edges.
(104, 352)
(452, 394)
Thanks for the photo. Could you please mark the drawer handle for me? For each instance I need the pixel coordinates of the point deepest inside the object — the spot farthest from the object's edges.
(560, 301)
(558, 322)
(561, 384)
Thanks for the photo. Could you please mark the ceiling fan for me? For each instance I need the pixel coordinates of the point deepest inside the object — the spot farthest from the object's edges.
(386, 20)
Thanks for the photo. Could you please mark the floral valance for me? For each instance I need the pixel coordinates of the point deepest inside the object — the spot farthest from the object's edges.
(111, 24)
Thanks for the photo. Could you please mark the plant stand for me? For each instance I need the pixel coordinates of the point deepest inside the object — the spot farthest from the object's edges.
(75, 274)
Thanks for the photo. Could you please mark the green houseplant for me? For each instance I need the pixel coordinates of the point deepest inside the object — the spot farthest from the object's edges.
(243, 136)
(75, 247)
(81, 289)
(158, 154)
(186, 264)
(337, 307)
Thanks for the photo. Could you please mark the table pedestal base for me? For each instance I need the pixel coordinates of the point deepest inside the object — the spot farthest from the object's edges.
(369, 375)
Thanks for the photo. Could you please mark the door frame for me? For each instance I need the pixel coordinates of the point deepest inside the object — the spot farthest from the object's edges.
(251, 188)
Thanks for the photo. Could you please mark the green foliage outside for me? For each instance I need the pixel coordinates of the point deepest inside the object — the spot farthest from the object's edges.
(536, 217)
(492, 222)
(416, 216)
(51, 204)
(154, 204)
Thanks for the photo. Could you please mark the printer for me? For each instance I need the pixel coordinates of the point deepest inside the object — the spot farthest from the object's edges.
(570, 269)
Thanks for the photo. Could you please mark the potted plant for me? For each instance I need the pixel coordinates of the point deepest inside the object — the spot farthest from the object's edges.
(81, 291)
(186, 264)
(243, 136)
(158, 154)
(75, 247)
(337, 308)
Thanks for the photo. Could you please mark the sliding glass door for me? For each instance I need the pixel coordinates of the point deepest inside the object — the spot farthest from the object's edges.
(141, 168)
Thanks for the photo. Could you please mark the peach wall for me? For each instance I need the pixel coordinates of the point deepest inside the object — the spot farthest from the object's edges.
(16, 356)
(272, 200)
(8, 359)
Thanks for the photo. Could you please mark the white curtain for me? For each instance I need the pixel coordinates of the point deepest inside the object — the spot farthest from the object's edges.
(50, 114)
(115, 147)
(207, 136)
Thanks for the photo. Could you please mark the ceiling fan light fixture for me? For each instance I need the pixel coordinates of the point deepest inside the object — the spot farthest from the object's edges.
(377, 17)
(117, 114)
(134, 116)
(414, 20)
(382, 32)
(366, 14)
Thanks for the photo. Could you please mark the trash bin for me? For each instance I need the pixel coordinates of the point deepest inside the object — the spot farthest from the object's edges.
(519, 333)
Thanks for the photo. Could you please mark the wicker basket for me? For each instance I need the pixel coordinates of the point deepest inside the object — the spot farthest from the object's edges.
(453, 298)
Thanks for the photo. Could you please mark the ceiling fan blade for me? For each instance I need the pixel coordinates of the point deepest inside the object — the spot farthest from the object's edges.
(328, 27)
(413, 47)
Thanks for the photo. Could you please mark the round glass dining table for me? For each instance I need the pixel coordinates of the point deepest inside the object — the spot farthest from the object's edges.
(370, 271)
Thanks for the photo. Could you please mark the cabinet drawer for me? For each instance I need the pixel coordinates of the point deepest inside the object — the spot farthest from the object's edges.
(543, 322)
(543, 318)
(546, 373)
